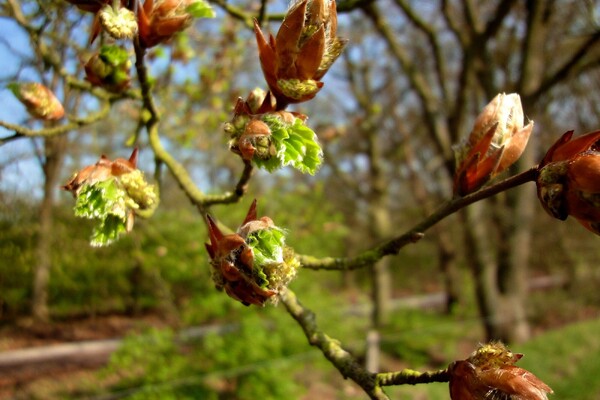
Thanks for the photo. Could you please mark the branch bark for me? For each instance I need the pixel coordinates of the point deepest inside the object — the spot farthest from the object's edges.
(394, 245)
(347, 364)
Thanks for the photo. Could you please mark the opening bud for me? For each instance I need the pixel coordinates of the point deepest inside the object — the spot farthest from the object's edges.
(490, 373)
(497, 140)
(568, 181)
(120, 23)
(110, 193)
(253, 264)
(40, 102)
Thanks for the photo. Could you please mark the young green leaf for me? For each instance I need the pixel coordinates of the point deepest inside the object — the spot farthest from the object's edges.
(267, 247)
(296, 145)
(106, 203)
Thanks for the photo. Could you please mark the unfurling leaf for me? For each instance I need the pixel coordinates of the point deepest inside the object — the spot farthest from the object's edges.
(110, 192)
(106, 203)
(294, 144)
(253, 264)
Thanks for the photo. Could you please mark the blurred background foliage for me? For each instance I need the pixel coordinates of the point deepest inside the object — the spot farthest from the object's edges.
(161, 269)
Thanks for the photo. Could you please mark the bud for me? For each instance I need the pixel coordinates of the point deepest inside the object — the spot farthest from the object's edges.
(39, 100)
(496, 142)
(568, 180)
(96, 6)
(257, 102)
(120, 24)
(274, 139)
(110, 192)
(306, 46)
(253, 264)
(255, 140)
(490, 373)
(109, 68)
(160, 20)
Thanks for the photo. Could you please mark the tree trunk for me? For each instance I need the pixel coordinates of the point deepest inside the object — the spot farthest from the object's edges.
(52, 160)
(447, 265)
(382, 292)
(379, 216)
(500, 278)
(482, 268)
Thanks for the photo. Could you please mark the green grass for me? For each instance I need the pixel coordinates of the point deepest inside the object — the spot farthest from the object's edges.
(567, 359)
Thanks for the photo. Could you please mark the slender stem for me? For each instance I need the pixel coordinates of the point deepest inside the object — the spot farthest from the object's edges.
(411, 377)
(347, 364)
(74, 123)
(177, 169)
(239, 191)
(414, 234)
(181, 175)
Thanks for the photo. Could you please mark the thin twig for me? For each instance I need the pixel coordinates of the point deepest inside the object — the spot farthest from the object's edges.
(414, 234)
(345, 362)
(239, 191)
(74, 123)
(179, 172)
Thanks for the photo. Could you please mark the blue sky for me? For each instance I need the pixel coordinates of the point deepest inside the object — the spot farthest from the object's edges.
(22, 173)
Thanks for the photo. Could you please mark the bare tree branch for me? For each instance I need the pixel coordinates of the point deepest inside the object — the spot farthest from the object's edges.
(432, 112)
(73, 124)
(568, 68)
(432, 37)
(347, 364)
(394, 245)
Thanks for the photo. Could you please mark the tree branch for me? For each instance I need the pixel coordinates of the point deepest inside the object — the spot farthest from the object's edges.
(494, 24)
(345, 362)
(431, 107)
(239, 191)
(432, 38)
(453, 25)
(247, 17)
(411, 377)
(568, 68)
(74, 123)
(179, 172)
(393, 246)
(331, 348)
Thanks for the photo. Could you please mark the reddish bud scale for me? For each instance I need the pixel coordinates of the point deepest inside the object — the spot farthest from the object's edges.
(304, 49)
(568, 180)
(160, 20)
(232, 260)
(490, 373)
(103, 169)
(496, 142)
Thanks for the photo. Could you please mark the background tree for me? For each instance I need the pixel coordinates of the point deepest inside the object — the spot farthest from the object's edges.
(412, 79)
